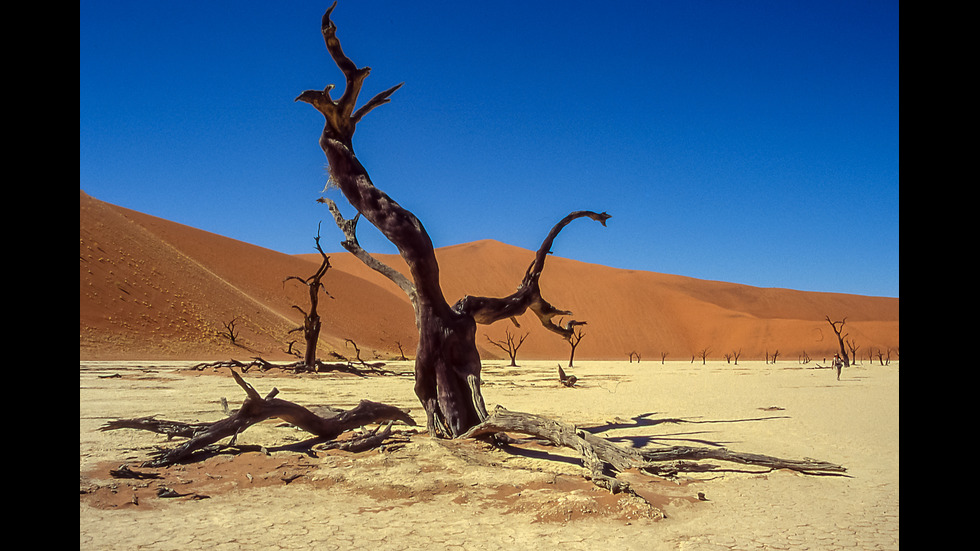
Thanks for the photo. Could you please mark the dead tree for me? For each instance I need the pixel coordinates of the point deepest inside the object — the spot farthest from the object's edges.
(573, 340)
(704, 356)
(663, 358)
(231, 331)
(636, 354)
(447, 364)
(736, 355)
(311, 319)
(401, 353)
(838, 327)
(510, 345)
(853, 347)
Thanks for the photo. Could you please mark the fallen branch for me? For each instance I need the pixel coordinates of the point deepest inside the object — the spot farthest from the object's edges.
(603, 459)
(566, 380)
(254, 410)
(319, 366)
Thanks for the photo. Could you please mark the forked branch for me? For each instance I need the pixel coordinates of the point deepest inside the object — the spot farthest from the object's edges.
(487, 310)
(255, 409)
(339, 113)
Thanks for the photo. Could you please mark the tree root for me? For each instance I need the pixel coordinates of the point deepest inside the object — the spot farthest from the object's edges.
(603, 459)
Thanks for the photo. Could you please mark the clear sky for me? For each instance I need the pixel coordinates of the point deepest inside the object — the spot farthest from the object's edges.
(751, 141)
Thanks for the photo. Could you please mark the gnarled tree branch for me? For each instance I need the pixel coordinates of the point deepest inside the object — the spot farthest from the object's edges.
(254, 410)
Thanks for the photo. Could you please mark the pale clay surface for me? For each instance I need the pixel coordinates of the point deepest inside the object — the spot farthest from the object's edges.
(787, 410)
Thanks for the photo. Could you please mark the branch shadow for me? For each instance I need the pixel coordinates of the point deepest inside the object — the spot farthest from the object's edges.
(647, 420)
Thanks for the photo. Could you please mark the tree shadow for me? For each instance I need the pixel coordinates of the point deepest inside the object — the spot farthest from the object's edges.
(644, 420)
(647, 420)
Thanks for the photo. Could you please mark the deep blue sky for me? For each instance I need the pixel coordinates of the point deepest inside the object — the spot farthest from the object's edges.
(754, 142)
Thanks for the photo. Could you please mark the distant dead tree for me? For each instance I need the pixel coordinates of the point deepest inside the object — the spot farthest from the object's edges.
(663, 358)
(804, 358)
(853, 347)
(774, 356)
(231, 331)
(703, 353)
(635, 353)
(574, 339)
(736, 355)
(400, 351)
(838, 327)
(311, 319)
(510, 345)
(884, 357)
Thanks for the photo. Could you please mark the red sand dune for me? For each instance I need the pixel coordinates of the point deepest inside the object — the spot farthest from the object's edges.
(155, 289)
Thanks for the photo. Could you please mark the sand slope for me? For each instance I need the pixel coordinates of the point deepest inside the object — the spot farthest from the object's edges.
(151, 288)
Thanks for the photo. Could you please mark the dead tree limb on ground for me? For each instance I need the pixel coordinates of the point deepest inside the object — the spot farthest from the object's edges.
(254, 410)
(603, 459)
(566, 380)
(319, 366)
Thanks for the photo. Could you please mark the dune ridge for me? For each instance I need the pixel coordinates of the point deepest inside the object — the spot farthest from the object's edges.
(155, 289)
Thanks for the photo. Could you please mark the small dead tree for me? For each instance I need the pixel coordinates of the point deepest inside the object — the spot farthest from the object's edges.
(636, 354)
(311, 319)
(401, 353)
(663, 358)
(573, 340)
(703, 353)
(774, 356)
(853, 347)
(510, 345)
(838, 327)
(736, 354)
(231, 331)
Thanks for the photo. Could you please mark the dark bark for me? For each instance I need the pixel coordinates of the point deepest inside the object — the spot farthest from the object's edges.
(311, 319)
(510, 345)
(447, 364)
(838, 327)
(254, 410)
(603, 459)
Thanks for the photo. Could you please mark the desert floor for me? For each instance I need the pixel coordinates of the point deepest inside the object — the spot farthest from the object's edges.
(423, 493)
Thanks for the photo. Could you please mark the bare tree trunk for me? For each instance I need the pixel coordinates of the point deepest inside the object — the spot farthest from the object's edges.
(838, 327)
(447, 364)
(311, 319)
(573, 341)
(510, 345)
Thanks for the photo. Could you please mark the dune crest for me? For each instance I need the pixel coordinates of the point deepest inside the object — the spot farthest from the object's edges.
(155, 289)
